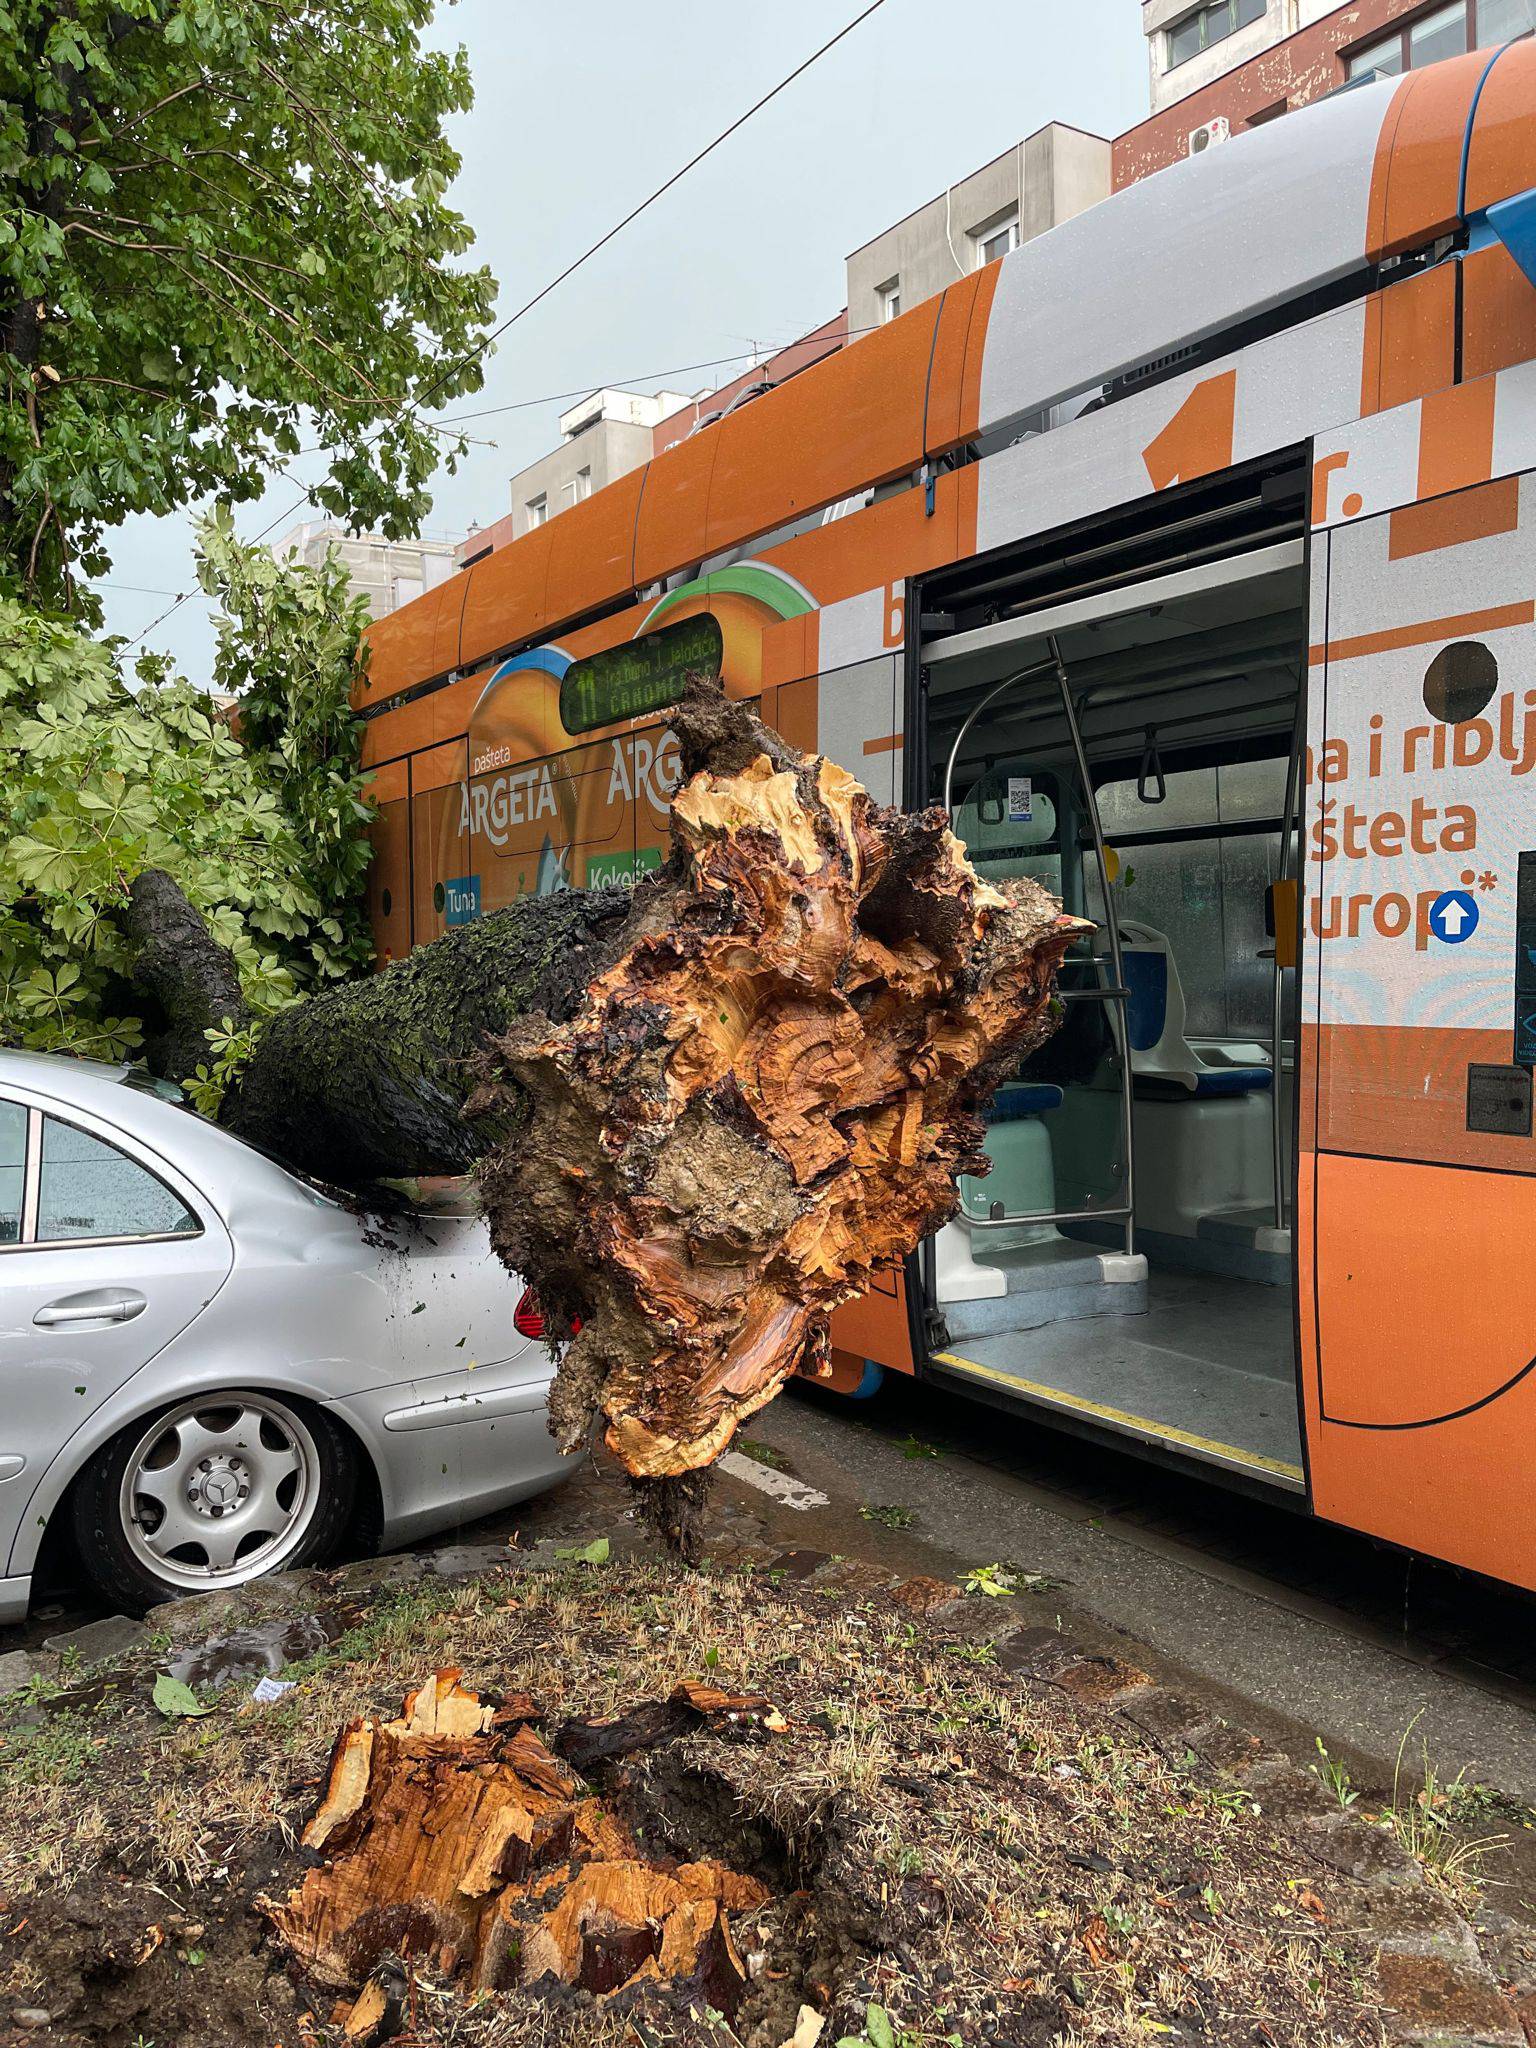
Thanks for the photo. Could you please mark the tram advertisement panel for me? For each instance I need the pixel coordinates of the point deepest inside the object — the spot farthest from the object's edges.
(570, 782)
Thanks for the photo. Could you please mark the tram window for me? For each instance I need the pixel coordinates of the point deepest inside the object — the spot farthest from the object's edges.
(1206, 893)
(1001, 845)
(1235, 793)
(1250, 790)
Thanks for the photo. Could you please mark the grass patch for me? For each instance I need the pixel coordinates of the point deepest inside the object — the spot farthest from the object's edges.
(914, 1449)
(954, 1845)
(763, 1454)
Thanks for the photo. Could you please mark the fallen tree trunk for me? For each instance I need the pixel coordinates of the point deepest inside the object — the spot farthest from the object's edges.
(369, 1081)
(191, 982)
(702, 1115)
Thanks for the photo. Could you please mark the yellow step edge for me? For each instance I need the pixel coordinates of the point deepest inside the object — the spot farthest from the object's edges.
(1120, 1418)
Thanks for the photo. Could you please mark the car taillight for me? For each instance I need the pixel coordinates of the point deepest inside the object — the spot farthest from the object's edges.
(528, 1317)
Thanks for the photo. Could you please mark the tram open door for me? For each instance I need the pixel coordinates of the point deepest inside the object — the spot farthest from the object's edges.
(1127, 1266)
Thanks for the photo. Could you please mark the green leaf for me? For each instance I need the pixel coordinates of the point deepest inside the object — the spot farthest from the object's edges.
(877, 2024)
(176, 1700)
(992, 1580)
(586, 1553)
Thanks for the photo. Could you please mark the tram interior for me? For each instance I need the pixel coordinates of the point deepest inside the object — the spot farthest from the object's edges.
(1140, 1277)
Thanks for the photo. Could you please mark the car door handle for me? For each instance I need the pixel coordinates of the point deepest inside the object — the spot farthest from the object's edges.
(114, 1308)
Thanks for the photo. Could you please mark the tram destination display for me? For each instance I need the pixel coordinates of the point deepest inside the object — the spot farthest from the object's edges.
(642, 676)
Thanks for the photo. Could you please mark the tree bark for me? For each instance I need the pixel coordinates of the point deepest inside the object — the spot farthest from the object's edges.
(369, 1080)
(701, 1115)
(189, 979)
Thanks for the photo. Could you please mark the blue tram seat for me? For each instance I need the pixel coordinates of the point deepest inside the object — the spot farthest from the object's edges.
(1023, 1098)
(1164, 1065)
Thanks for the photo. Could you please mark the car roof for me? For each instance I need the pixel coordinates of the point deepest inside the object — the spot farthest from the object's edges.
(129, 1098)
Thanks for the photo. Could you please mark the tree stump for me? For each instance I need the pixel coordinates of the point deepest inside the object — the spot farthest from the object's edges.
(455, 1835)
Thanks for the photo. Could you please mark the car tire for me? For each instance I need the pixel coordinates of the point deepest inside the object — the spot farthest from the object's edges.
(209, 1494)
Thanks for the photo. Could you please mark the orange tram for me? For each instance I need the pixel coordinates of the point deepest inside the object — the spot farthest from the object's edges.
(1250, 447)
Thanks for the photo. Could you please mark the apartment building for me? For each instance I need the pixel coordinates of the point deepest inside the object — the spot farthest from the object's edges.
(1218, 66)
(389, 573)
(1214, 66)
(604, 436)
(1039, 182)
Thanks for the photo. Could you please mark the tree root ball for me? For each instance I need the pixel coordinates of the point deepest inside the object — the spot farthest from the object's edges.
(760, 1100)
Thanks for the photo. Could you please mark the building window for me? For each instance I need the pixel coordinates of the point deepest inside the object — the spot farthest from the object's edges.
(1443, 32)
(537, 510)
(1437, 35)
(580, 486)
(1500, 21)
(1210, 25)
(996, 237)
(888, 297)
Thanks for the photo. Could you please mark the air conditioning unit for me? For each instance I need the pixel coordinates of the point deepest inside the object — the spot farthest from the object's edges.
(1208, 134)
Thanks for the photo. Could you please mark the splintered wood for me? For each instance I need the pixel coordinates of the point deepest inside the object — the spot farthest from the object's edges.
(765, 1098)
(454, 1835)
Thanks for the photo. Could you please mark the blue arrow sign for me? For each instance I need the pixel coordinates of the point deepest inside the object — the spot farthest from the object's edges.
(1453, 916)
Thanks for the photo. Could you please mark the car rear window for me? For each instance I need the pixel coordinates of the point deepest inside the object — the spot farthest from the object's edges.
(88, 1189)
(13, 1169)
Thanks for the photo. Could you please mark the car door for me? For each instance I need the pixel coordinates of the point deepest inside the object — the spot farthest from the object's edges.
(106, 1254)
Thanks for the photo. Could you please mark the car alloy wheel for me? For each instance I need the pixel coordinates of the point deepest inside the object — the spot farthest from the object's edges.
(220, 1490)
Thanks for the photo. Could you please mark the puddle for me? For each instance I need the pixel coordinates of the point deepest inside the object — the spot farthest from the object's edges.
(259, 1651)
(116, 1689)
(108, 1695)
(798, 1564)
(468, 1560)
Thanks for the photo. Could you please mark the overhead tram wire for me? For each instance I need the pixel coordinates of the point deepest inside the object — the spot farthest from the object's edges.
(519, 405)
(650, 200)
(462, 362)
(635, 377)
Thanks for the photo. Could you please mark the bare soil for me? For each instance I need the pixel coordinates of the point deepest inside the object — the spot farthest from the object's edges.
(984, 1856)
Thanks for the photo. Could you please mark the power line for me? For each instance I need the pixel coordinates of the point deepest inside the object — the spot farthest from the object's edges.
(650, 200)
(577, 391)
(635, 377)
(490, 412)
(160, 621)
(460, 363)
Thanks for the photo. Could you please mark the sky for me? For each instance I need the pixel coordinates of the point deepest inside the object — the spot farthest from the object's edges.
(583, 107)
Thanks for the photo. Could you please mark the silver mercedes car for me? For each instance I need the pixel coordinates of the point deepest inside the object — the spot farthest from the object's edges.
(209, 1369)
